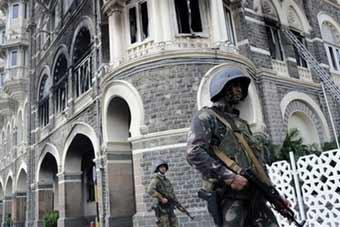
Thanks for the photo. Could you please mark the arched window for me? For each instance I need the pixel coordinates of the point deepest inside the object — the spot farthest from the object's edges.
(331, 36)
(60, 83)
(296, 24)
(43, 104)
(82, 62)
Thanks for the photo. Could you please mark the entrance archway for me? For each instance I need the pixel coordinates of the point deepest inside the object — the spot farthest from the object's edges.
(47, 198)
(8, 199)
(119, 164)
(77, 184)
(20, 200)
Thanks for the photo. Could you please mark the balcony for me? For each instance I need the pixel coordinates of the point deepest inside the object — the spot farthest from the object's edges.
(16, 82)
(280, 67)
(15, 38)
(181, 43)
(305, 74)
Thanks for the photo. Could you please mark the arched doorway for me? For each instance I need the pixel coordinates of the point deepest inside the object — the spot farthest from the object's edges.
(119, 165)
(20, 200)
(306, 128)
(77, 184)
(47, 187)
(8, 199)
(2, 197)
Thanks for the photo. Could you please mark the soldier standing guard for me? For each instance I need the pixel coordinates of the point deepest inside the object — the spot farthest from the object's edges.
(160, 188)
(238, 203)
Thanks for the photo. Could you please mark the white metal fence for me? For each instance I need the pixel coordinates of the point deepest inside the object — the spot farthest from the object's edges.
(312, 184)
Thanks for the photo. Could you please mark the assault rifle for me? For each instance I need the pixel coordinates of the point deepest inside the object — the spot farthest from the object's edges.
(272, 196)
(175, 203)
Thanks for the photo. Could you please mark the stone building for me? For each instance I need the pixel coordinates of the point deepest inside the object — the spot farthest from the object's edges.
(94, 92)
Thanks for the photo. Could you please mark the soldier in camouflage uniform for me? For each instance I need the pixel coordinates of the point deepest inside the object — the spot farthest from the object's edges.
(241, 204)
(160, 188)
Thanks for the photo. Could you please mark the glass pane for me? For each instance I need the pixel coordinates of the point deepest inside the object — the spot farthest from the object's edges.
(196, 23)
(133, 24)
(228, 21)
(182, 15)
(331, 53)
(145, 20)
(15, 11)
(14, 57)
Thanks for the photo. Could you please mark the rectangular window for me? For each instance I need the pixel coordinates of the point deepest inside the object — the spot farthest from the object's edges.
(338, 56)
(274, 43)
(133, 24)
(333, 56)
(188, 16)
(229, 24)
(15, 11)
(299, 60)
(139, 22)
(144, 20)
(14, 58)
(25, 10)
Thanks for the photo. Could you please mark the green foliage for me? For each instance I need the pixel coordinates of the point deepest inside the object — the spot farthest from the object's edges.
(293, 142)
(51, 219)
(8, 220)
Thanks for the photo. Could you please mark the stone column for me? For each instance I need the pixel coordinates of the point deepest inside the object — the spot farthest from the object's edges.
(70, 200)
(44, 202)
(19, 209)
(116, 33)
(120, 185)
(219, 31)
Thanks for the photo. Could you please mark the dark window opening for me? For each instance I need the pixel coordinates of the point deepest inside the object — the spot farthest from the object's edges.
(188, 16)
(331, 52)
(299, 59)
(60, 84)
(275, 47)
(89, 176)
(43, 105)
(82, 62)
(133, 24)
(145, 20)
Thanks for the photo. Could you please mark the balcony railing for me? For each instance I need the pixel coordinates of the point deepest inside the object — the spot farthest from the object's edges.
(305, 74)
(280, 68)
(19, 36)
(82, 76)
(150, 47)
(15, 73)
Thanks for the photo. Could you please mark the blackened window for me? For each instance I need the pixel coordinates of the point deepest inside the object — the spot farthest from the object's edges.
(139, 22)
(82, 62)
(188, 16)
(43, 105)
(133, 24)
(275, 47)
(60, 83)
(299, 60)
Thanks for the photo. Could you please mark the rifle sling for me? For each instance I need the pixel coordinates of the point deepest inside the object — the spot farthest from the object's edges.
(246, 148)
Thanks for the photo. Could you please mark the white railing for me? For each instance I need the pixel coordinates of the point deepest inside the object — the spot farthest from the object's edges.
(319, 176)
(305, 74)
(150, 47)
(280, 68)
(16, 73)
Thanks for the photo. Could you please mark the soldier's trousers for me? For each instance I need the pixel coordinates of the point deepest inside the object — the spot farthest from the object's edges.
(167, 220)
(236, 213)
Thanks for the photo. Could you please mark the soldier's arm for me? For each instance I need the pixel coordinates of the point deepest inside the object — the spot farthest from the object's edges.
(199, 153)
(152, 189)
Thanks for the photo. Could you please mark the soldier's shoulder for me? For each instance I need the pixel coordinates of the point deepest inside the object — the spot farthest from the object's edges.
(204, 114)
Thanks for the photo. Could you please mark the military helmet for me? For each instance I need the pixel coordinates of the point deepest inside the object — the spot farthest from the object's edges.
(160, 163)
(223, 77)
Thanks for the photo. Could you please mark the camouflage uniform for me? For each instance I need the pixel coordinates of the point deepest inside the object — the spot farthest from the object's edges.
(244, 208)
(164, 212)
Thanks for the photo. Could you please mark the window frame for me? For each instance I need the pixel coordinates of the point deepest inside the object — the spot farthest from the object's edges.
(139, 22)
(231, 26)
(11, 64)
(300, 60)
(272, 28)
(12, 11)
(336, 54)
(204, 20)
